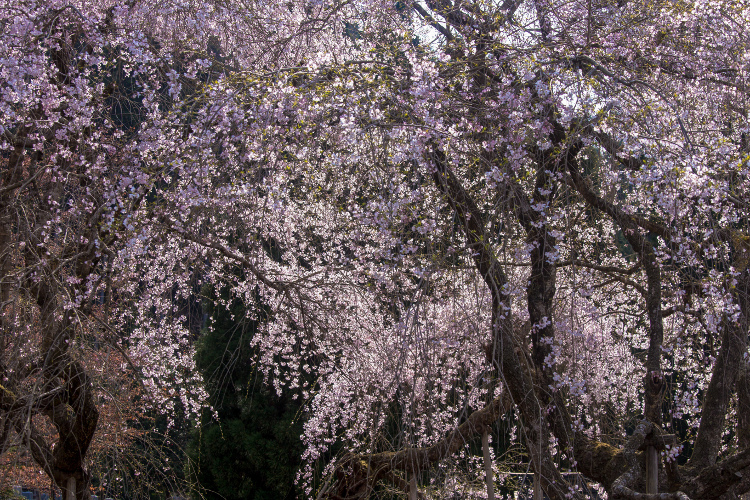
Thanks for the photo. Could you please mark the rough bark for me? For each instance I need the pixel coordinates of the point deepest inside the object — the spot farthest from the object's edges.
(743, 408)
(713, 481)
(366, 470)
(716, 400)
(742, 292)
(728, 375)
(509, 353)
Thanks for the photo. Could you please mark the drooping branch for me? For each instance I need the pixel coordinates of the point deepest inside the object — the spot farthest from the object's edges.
(728, 365)
(367, 470)
(416, 459)
(588, 64)
(38, 446)
(235, 256)
(508, 352)
(654, 380)
(600, 268)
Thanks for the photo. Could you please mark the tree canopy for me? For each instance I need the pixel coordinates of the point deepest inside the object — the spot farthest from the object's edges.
(447, 212)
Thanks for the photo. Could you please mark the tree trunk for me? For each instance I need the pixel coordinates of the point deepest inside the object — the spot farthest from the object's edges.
(70, 489)
(652, 470)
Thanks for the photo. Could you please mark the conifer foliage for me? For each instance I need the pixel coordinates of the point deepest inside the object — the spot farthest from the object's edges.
(250, 448)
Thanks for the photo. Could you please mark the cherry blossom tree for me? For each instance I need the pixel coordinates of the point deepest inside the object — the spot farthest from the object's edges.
(71, 75)
(444, 212)
(458, 208)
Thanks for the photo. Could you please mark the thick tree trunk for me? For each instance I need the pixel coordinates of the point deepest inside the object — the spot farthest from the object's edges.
(74, 485)
(652, 470)
(728, 375)
(743, 408)
(743, 382)
(70, 489)
(74, 413)
(76, 433)
(716, 400)
(508, 352)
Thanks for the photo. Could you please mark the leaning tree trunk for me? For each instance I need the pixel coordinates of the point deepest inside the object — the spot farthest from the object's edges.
(73, 410)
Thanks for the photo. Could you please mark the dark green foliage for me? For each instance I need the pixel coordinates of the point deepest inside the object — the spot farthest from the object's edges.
(253, 451)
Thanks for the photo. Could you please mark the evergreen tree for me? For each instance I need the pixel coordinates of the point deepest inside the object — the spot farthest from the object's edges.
(253, 450)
